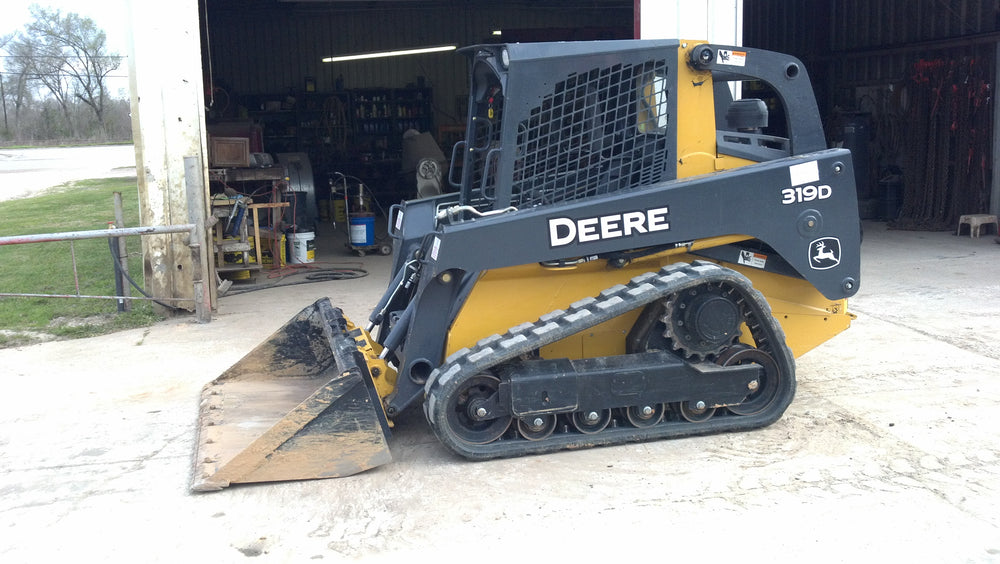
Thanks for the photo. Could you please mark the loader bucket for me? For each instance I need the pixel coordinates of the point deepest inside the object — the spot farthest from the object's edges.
(301, 405)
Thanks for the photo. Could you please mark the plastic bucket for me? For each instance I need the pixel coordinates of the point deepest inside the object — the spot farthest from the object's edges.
(340, 211)
(268, 244)
(363, 230)
(301, 247)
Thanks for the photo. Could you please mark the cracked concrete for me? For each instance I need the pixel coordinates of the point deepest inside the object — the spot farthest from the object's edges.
(888, 451)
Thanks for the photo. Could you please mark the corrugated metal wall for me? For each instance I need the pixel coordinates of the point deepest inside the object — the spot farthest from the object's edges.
(873, 41)
(916, 76)
(271, 48)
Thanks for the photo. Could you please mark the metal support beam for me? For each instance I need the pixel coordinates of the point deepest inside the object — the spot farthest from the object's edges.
(995, 165)
(194, 173)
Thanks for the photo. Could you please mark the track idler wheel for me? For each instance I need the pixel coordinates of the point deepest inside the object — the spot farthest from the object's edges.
(766, 387)
(471, 411)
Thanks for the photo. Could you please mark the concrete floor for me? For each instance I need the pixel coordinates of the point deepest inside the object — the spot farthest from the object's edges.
(890, 450)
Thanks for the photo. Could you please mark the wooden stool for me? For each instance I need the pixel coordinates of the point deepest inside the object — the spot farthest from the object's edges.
(975, 221)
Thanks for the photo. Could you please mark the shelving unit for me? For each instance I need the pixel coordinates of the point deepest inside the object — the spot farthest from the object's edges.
(368, 122)
(382, 115)
(309, 123)
(358, 132)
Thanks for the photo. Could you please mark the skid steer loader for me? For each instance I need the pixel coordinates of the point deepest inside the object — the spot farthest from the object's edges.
(631, 253)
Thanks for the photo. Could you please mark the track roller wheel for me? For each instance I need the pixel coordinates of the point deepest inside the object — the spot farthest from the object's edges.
(698, 413)
(591, 421)
(766, 387)
(469, 411)
(642, 416)
(536, 427)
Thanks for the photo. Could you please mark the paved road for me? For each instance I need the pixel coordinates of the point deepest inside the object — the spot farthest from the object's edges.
(25, 172)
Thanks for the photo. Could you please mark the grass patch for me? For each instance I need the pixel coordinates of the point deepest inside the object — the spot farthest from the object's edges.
(47, 268)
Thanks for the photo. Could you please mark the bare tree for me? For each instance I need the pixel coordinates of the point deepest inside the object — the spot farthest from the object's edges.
(4, 40)
(71, 59)
(15, 83)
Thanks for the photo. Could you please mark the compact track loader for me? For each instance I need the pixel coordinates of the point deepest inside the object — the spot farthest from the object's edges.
(631, 253)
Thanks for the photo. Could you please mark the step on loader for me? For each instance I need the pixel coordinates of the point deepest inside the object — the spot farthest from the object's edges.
(641, 237)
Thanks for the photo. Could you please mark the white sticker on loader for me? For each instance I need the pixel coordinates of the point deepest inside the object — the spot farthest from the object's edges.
(804, 173)
(750, 258)
(435, 247)
(732, 58)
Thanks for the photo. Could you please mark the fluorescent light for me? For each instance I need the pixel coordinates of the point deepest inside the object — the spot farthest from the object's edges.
(390, 53)
(497, 32)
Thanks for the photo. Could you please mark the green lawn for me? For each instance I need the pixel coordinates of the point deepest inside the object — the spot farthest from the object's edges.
(47, 268)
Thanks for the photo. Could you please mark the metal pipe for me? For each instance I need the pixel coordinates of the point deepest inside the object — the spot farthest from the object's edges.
(96, 234)
(14, 295)
(195, 191)
(71, 236)
(76, 275)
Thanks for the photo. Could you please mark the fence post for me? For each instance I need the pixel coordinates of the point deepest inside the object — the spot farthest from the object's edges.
(194, 180)
(122, 285)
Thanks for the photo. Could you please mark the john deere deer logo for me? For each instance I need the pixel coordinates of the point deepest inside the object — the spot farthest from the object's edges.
(824, 253)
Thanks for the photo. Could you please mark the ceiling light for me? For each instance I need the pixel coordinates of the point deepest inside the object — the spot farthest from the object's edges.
(390, 53)
(497, 32)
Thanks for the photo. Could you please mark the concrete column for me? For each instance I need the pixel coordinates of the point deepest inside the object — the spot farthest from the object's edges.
(717, 21)
(168, 124)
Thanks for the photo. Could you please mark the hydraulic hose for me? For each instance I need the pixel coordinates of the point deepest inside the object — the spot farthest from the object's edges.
(115, 259)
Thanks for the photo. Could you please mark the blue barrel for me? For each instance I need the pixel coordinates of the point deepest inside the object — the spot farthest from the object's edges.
(363, 229)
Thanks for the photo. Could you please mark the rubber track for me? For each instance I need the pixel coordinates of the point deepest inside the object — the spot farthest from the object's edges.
(617, 300)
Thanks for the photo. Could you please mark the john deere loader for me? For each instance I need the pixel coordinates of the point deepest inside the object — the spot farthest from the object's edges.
(636, 248)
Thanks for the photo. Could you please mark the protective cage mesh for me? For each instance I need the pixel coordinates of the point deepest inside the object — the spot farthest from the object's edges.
(597, 132)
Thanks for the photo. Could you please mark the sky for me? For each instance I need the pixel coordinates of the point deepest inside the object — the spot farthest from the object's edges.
(109, 15)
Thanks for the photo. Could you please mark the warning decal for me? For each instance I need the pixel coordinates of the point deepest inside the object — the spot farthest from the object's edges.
(750, 258)
(733, 58)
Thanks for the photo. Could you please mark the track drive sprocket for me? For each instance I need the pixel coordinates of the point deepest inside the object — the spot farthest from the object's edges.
(702, 321)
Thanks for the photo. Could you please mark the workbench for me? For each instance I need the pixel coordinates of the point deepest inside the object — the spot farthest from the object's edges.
(222, 209)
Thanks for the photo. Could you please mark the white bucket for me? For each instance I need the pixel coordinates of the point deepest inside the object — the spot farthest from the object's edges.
(301, 247)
